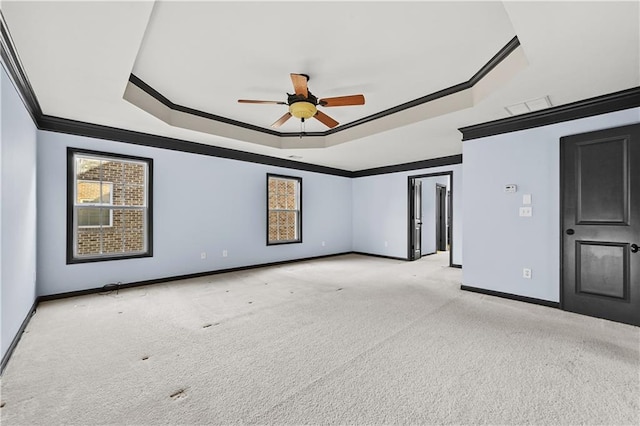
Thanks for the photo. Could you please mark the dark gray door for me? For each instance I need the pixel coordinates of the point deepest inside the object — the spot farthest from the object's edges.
(441, 218)
(601, 224)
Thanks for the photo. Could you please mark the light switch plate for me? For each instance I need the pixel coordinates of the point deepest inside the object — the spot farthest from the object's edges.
(526, 199)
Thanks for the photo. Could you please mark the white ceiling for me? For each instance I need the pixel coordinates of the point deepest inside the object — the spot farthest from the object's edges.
(205, 55)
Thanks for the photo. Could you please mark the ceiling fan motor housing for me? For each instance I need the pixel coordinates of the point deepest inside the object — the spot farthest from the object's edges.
(301, 107)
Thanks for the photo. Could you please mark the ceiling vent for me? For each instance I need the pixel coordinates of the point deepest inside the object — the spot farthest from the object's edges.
(529, 106)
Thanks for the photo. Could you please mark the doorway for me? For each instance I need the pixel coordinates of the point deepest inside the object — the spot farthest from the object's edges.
(430, 221)
(600, 215)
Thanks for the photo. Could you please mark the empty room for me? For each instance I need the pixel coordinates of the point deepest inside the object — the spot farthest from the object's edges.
(306, 212)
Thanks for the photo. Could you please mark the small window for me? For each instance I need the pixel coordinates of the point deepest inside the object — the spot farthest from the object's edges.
(284, 218)
(109, 213)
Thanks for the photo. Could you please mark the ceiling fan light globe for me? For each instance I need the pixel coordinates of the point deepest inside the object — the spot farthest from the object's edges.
(302, 109)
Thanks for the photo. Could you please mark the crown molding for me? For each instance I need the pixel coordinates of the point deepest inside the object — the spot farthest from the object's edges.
(415, 165)
(176, 107)
(611, 102)
(502, 54)
(79, 128)
(13, 66)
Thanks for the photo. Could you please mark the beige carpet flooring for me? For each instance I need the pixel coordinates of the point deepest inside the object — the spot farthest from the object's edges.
(343, 340)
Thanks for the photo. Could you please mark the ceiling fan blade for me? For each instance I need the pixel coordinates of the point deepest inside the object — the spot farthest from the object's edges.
(342, 101)
(281, 120)
(326, 120)
(251, 101)
(300, 84)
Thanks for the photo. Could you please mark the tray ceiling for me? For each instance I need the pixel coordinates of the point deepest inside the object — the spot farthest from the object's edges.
(79, 56)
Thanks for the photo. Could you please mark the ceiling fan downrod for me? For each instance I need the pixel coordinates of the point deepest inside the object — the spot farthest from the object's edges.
(303, 127)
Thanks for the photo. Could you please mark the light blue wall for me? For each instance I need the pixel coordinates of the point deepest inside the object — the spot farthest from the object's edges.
(498, 243)
(18, 211)
(200, 204)
(380, 212)
(429, 212)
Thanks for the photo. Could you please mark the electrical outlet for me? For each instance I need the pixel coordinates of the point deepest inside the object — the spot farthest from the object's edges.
(526, 211)
(526, 273)
(203, 255)
(224, 253)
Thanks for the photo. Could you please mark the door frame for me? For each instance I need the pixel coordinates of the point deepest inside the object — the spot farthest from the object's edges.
(561, 220)
(410, 204)
(416, 235)
(441, 220)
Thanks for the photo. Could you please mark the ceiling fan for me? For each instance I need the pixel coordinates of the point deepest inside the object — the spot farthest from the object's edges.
(303, 104)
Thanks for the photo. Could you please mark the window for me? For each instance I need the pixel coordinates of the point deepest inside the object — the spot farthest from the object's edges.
(109, 206)
(284, 198)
